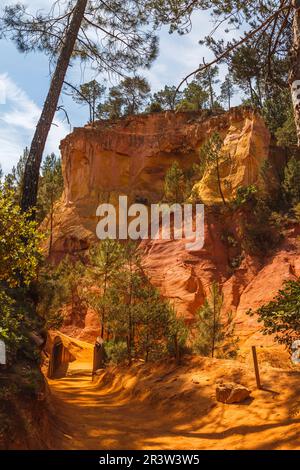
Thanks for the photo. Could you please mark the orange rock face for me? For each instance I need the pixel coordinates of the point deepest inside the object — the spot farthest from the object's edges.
(131, 157)
(185, 277)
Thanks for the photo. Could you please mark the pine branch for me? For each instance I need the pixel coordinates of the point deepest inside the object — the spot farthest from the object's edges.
(233, 46)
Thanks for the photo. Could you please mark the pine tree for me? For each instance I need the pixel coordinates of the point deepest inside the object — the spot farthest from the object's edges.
(106, 259)
(246, 71)
(58, 287)
(195, 98)
(15, 179)
(286, 134)
(227, 91)
(112, 36)
(166, 99)
(127, 98)
(50, 190)
(270, 33)
(177, 334)
(175, 186)
(152, 319)
(131, 310)
(207, 79)
(211, 158)
(125, 293)
(214, 331)
(90, 94)
(70, 274)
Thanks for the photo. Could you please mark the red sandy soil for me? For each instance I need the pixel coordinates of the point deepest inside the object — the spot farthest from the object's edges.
(174, 407)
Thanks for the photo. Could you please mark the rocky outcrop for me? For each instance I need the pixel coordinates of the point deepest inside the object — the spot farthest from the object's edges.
(130, 157)
(246, 146)
(186, 277)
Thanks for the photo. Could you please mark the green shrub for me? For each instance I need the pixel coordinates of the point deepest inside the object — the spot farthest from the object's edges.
(245, 195)
(116, 352)
(20, 257)
(11, 325)
(287, 134)
(291, 182)
(281, 316)
(259, 233)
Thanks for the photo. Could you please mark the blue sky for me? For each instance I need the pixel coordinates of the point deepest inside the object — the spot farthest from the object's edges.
(25, 80)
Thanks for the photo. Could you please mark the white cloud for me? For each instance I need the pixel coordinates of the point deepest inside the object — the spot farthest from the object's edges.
(18, 118)
(32, 5)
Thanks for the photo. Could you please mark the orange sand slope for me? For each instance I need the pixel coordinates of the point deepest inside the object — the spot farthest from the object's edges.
(169, 407)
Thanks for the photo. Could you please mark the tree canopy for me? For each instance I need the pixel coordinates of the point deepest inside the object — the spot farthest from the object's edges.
(281, 316)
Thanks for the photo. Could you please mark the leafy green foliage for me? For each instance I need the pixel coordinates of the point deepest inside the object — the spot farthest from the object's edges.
(246, 72)
(259, 232)
(50, 186)
(215, 332)
(71, 274)
(245, 195)
(277, 111)
(20, 251)
(51, 294)
(126, 294)
(259, 227)
(286, 135)
(11, 324)
(151, 318)
(269, 184)
(258, 59)
(291, 182)
(296, 210)
(281, 316)
(58, 287)
(116, 352)
(112, 38)
(20, 256)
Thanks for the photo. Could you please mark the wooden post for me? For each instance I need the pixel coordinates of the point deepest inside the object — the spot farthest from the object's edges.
(98, 356)
(255, 362)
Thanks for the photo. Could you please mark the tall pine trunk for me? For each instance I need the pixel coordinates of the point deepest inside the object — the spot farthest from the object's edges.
(294, 78)
(32, 168)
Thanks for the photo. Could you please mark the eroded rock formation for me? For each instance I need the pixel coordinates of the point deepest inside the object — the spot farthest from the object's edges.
(131, 157)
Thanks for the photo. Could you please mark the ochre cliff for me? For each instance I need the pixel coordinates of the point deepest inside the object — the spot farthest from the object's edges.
(186, 277)
(131, 157)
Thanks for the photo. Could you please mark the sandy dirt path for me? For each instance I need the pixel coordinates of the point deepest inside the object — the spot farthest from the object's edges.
(91, 416)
